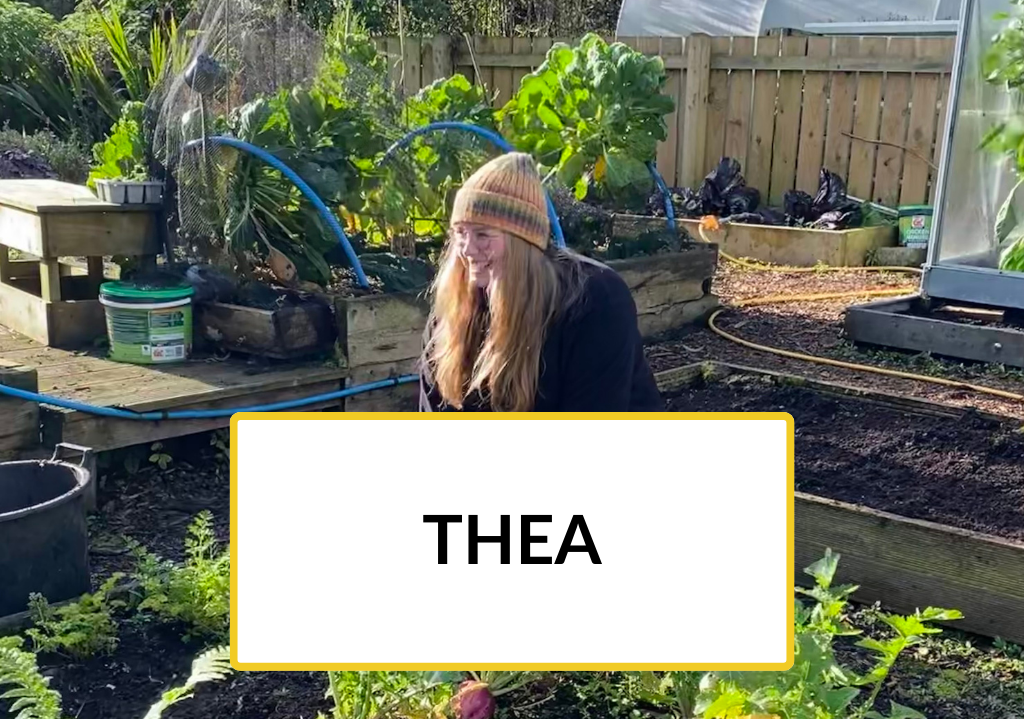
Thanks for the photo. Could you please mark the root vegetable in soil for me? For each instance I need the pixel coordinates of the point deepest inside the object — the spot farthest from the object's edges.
(966, 473)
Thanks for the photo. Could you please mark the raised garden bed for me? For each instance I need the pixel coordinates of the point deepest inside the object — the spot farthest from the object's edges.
(381, 336)
(791, 246)
(925, 502)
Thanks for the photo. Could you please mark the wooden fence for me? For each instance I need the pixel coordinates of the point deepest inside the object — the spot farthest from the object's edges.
(868, 108)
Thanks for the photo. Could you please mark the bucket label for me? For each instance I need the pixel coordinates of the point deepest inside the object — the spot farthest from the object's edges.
(167, 352)
(915, 230)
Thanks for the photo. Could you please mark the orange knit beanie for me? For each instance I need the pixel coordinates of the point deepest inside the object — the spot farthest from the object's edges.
(506, 193)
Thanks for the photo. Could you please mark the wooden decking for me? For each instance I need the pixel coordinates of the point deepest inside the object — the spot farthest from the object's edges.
(202, 383)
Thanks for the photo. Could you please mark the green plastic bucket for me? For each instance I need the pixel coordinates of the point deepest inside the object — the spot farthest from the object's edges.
(148, 324)
(915, 225)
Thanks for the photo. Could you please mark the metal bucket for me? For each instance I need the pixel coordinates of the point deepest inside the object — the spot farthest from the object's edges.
(44, 540)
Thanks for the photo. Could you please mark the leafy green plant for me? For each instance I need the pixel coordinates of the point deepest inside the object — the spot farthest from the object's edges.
(68, 157)
(387, 695)
(195, 593)
(159, 457)
(81, 629)
(210, 666)
(1003, 66)
(593, 114)
(123, 154)
(818, 686)
(23, 685)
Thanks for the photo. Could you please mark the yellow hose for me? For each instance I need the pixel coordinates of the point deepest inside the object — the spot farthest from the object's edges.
(775, 299)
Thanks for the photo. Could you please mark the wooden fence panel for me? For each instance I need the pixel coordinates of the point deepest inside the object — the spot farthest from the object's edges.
(871, 109)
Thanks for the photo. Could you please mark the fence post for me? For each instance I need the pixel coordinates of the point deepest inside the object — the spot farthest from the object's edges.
(695, 123)
(444, 60)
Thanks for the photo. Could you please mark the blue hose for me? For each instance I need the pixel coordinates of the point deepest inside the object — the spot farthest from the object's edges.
(483, 132)
(202, 413)
(670, 210)
(304, 188)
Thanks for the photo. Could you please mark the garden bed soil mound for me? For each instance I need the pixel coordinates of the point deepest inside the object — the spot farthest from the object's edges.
(965, 472)
(151, 660)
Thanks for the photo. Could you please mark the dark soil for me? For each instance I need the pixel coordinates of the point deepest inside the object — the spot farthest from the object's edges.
(150, 660)
(966, 473)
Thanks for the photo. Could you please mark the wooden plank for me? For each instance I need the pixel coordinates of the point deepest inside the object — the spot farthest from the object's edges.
(684, 78)
(502, 75)
(462, 60)
(482, 46)
(289, 332)
(718, 106)
(887, 324)
(49, 280)
(101, 234)
(921, 131)
(723, 62)
(895, 111)
(394, 54)
(668, 151)
(20, 427)
(411, 73)
(105, 433)
(696, 108)
(380, 328)
(909, 564)
(428, 70)
(523, 47)
(402, 398)
(21, 230)
(54, 197)
(787, 124)
(696, 262)
(866, 118)
(811, 152)
(762, 125)
(842, 96)
(836, 64)
(741, 92)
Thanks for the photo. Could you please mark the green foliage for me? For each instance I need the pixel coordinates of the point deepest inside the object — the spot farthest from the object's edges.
(79, 630)
(123, 154)
(593, 114)
(443, 161)
(68, 158)
(387, 695)
(818, 686)
(212, 665)
(196, 593)
(24, 33)
(22, 684)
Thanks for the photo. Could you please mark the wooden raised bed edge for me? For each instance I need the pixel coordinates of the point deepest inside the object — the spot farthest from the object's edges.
(290, 332)
(381, 336)
(904, 564)
(19, 429)
(791, 246)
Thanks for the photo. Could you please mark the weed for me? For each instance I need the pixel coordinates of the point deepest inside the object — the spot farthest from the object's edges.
(159, 457)
(79, 630)
(212, 665)
(220, 440)
(387, 695)
(195, 593)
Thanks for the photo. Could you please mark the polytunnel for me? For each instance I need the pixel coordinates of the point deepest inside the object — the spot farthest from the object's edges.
(668, 18)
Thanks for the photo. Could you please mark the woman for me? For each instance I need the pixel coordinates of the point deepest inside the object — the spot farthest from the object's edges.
(520, 326)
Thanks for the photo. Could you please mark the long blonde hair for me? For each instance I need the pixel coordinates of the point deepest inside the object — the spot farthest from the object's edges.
(492, 343)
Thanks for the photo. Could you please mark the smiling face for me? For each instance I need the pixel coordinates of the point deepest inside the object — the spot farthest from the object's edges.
(483, 249)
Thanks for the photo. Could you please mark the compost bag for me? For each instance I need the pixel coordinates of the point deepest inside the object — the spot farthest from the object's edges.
(829, 209)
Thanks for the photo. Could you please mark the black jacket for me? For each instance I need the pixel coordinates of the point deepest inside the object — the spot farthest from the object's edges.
(592, 360)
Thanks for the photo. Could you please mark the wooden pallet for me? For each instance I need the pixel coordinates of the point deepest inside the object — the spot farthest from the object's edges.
(905, 564)
(199, 384)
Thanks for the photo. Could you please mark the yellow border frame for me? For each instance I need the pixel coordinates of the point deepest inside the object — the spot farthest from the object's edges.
(454, 417)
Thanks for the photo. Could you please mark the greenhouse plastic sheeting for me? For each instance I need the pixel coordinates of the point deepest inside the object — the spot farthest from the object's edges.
(669, 18)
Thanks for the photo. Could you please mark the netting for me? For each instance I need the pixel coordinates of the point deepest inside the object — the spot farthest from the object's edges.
(325, 106)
